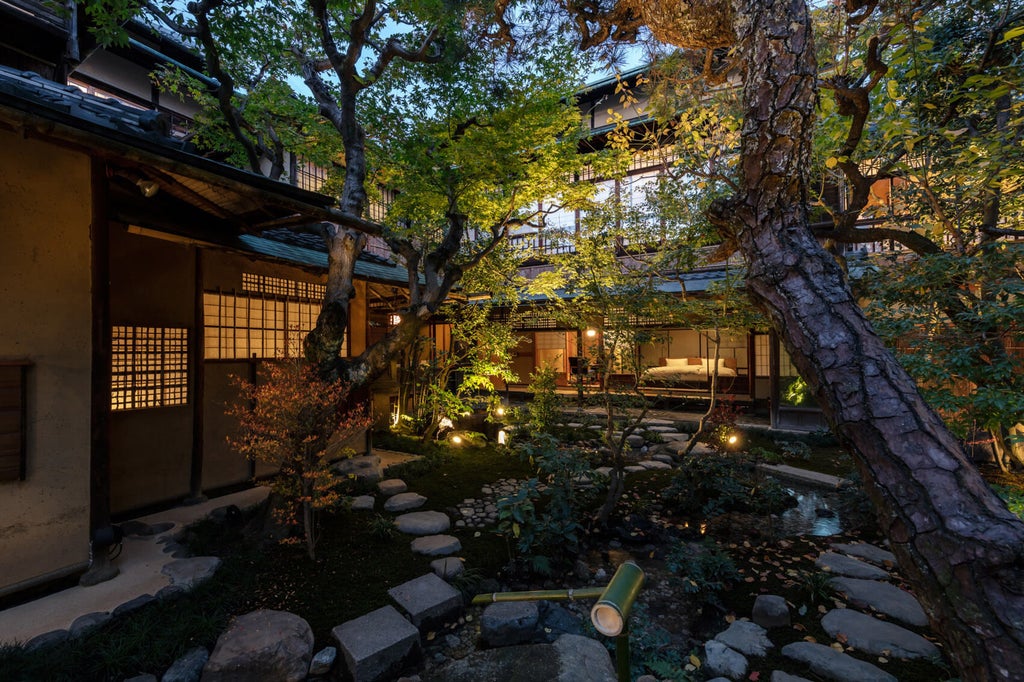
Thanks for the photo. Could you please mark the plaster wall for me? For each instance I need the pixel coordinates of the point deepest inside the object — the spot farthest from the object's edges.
(45, 212)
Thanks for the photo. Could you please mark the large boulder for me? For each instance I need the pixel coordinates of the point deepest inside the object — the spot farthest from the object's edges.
(571, 658)
(364, 469)
(506, 623)
(262, 646)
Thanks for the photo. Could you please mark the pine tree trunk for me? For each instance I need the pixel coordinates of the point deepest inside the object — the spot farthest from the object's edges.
(955, 540)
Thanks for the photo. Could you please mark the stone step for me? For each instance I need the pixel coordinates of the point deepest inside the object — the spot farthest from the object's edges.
(834, 665)
(868, 552)
(652, 465)
(377, 646)
(789, 473)
(428, 600)
(877, 637)
(392, 486)
(363, 503)
(423, 523)
(839, 564)
(884, 598)
(401, 502)
(448, 567)
(436, 545)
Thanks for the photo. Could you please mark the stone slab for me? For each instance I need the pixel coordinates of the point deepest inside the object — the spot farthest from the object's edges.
(866, 551)
(187, 573)
(877, 637)
(833, 665)
(364, 468)
(423, 523)
(571, 658)
(771, 611)
(750, 639)
(884, 598)
(428, 600)
(376, 647)
(814, 478)
(840, 564)
(401, 502)
(392, 486)
(635, 469)
(721, 660)
(436, 545)
(652, 465)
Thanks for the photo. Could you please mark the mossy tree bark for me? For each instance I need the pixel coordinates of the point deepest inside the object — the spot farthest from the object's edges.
(956, 541)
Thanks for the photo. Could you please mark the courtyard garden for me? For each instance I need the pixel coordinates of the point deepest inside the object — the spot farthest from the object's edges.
(710, 528)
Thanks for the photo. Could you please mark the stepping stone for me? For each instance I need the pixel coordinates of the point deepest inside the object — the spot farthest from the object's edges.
(702, 449)
(574, 425)
(636, 469)
(634, 440)
(423, 523)
(721, 660)
(448, 567)
(651, 465)
(392, 486)
(851, 568)
(827, 662)
(667, 459)
(771, 611)
(658, 422)
(604, 471)
(747, 638)
(436, 545)
(779, 676)
(670, 436)
(404, 502)
(789, 473)
(508, 623)
(866, 551)
(662, 429)
(428, 600)
(876, 636)
(364, 469)
(363, 503)
(378, 645)
(884, 598)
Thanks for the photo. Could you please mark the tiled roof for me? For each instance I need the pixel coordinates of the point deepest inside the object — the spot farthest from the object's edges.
(317, 258)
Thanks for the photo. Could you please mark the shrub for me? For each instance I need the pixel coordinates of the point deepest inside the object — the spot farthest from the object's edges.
(288, 421)
(706, 568)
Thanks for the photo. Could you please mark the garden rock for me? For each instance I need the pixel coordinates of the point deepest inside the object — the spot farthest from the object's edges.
(667, 459)
(188, 668)
(634, 440)
(747, 638)
(829, 663)
(83, 625)
(428, 600)
(507, 623)
(363, 503)
(187, 573)
(323, 661)
(634, 469)
(262, 646)
(771, 611)
(423, 523)
(852, 568)
(570, 659)
(866, 551)
(448, 567)
(142, 678)
(377, 646)
(47, 639)
(877, 637)
(436, 545)
(721, 660)
(365, 468)
(555, 621)
(883, 597)
(392, 486)
(133, 605)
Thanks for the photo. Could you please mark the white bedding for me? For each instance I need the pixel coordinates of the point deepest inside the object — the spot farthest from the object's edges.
(685, 372)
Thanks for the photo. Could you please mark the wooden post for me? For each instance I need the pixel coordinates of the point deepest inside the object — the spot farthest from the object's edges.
(197, 349)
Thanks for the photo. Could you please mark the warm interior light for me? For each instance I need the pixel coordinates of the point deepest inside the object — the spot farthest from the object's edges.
(591, 333)
(394, 319)
(149, 188)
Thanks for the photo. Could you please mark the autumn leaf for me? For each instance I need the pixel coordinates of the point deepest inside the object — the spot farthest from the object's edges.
(756, 675)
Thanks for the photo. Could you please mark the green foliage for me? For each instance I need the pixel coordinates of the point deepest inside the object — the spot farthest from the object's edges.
(797, 392)
(1013, 497)
(816, 586)
(543, 411)
(382, 527)
(708, 485)
(705, 568)
(287, 421)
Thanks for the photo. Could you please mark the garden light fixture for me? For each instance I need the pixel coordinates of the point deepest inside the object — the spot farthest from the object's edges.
(591, 333)
(457, 440)
(502, 438)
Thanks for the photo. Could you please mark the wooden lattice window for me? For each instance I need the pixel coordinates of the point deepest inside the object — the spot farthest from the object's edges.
(149, 367)
(13, 420)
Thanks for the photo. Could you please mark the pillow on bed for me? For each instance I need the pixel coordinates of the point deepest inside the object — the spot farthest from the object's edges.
(662, 362)
(675, 362)
(695, 361)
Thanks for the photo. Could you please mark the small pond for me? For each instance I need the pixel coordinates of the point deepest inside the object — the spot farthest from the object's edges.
(817, 512)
